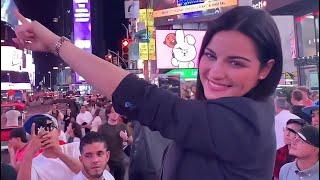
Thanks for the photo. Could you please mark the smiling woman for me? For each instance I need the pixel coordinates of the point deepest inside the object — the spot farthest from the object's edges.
(214, 136)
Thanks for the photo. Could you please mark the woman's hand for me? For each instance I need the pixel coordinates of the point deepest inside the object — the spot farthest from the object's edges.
(34, 36)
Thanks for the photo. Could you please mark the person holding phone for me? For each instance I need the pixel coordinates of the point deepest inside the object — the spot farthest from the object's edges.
(240, 65)
(84, 119)
(63, 159)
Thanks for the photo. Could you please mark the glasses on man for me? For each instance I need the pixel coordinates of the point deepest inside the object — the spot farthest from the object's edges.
(290, 131)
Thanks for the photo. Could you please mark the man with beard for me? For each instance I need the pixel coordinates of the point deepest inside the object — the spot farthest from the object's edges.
(94, 158)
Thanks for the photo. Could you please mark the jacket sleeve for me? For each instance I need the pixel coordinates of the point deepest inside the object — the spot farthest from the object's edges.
(205, 127)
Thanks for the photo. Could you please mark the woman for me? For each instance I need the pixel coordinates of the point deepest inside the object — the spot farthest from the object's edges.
(228, 132)
(67, 119)
(73, 132)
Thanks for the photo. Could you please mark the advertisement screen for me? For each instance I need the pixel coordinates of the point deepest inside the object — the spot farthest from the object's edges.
(82, 27)
(178, 48)
(11, 58)
(176, 11)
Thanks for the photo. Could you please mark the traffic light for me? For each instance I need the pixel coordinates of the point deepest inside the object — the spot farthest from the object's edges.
(125, 51)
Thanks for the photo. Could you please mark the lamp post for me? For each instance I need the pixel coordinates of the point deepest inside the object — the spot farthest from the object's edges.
(127, 30)
(110, 52)
(50, 78)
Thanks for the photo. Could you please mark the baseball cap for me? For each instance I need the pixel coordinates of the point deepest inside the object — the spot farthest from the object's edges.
(308, 110)
(310, 135)
(301, 122)
(28, 124)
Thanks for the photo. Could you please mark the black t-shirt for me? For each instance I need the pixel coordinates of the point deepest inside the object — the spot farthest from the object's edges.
(225, 138)
(113, 139)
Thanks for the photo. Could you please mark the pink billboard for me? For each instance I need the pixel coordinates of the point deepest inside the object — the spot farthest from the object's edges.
(178, 48)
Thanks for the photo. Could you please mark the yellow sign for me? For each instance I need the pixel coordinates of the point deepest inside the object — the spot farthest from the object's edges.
(195, 7)
(147, 50)
(146, 16)
(143, 51)
(152, 49)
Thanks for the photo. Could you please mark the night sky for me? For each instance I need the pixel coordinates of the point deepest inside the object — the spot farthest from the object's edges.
(106, 26)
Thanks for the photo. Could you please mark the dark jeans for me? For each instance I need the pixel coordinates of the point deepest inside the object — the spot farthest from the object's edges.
(117, 169)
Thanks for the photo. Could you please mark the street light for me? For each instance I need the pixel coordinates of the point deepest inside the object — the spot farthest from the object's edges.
(127, 30)
(50, 78)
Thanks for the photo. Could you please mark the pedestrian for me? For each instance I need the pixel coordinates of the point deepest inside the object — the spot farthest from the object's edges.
(94, 158)
(228, 132)
(56, 161)
(313, 111)
(290, 132)
(68, 117)
(115, 134)
(282, 117)
(84, 119)
(74, 133)
(306, 149)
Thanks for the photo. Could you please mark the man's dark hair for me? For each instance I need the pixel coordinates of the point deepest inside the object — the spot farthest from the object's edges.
(90, 138)
(300, 122)
(297, 95)
(18, 133)
(261, 28)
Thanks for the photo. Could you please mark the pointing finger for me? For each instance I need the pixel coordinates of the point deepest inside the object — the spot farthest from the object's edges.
(20, 17)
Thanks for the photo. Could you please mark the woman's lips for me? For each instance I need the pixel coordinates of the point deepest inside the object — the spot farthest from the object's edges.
(217, 86)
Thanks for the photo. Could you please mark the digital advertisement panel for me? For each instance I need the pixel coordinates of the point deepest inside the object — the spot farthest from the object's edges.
(175, 11)
(178, 48)
(82, 27)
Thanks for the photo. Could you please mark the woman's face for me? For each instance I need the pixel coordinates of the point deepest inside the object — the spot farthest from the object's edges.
(68, 111)
(230, 66)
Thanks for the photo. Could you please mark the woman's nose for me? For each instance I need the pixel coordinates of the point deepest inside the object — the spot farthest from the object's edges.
(217, 70)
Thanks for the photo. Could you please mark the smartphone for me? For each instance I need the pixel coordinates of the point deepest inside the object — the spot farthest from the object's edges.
(43, 124)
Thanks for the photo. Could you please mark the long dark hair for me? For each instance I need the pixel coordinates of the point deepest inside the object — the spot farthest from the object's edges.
(76, 129)
(260, 27)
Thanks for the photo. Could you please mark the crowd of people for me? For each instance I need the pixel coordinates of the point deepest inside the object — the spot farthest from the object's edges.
(297, 135)
(231, 130)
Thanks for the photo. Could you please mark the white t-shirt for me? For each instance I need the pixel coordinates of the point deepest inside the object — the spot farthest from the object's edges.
(62, 136)
(12, 117)
(84, 117)
(281, 120)
(106, 175)
(96, 123)
(44, 168)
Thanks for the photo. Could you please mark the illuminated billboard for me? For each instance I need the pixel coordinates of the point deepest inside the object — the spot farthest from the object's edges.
(82, 27)
(176, 11)
(178, 49)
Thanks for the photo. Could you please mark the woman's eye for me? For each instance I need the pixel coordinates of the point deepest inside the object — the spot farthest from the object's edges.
(209, 55)
(236, 63)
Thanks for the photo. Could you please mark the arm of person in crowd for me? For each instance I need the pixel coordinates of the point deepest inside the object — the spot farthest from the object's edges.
(60, 116)
(36, 37)
(25, 169)
(12, 155)
(51, 142)
(73, 164)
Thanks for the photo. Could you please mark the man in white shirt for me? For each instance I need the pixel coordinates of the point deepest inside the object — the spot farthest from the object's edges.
(56, 161)
(12, 118)
(94, 158)
(282, 116)
(84, 118)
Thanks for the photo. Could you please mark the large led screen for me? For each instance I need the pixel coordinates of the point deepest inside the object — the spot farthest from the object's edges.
(177, 11)
(178, 48)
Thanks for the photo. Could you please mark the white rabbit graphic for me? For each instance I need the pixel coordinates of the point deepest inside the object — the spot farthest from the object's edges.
(184, 52)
